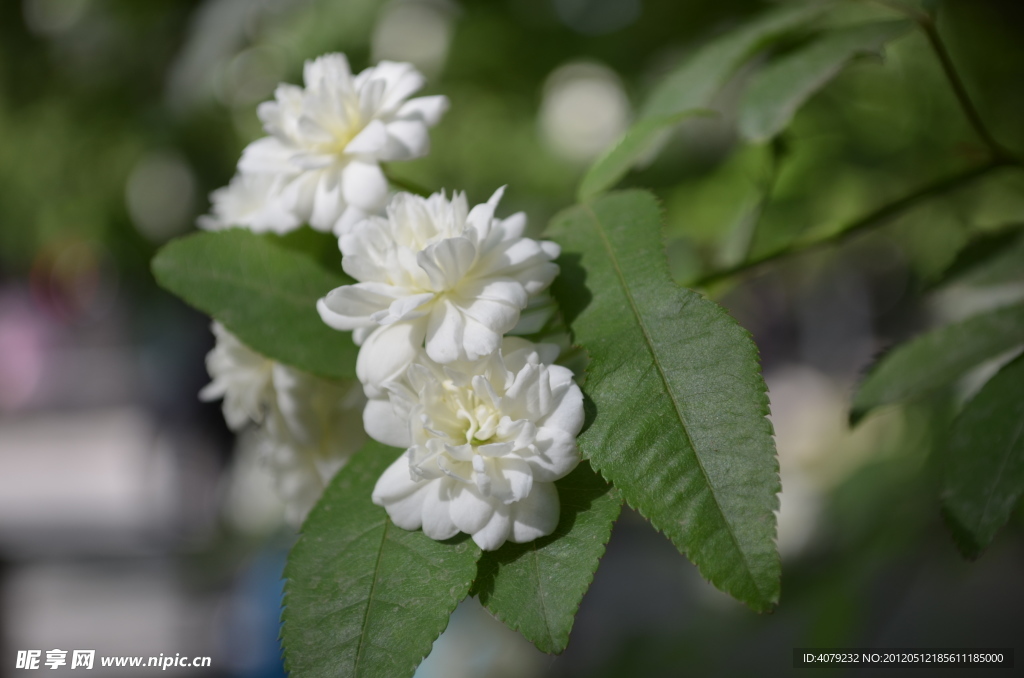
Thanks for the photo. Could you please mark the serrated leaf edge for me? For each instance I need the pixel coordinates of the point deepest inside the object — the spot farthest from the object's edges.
(561, 646)
(770, 600)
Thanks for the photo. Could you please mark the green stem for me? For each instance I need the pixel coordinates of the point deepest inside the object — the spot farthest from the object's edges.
(407, 186)
(778, 151)
(927, 24)
(869, 221)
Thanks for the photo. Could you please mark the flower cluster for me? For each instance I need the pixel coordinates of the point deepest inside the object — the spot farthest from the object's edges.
(487, 420)
(308, 427)
(320, 163)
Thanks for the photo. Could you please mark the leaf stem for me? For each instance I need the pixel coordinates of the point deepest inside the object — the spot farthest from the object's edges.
(927, 24)
(926, 21)
(779, 150)
(873, 219)
(406, 185)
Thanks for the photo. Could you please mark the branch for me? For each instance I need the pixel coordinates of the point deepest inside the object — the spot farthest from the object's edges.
(872, 220)
(927, 24)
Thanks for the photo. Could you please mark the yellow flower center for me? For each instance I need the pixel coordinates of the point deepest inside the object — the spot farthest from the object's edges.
(480, 419)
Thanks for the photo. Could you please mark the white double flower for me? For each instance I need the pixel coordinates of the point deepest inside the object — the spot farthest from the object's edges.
(320, 163)
(309, 427)
(485, 440)
(434, 273)
(487, 421)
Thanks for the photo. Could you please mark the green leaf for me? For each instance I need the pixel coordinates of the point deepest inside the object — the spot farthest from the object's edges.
(680, 425)
(614, 163)
(263, 292)
(364, 597)
(983, 476)
(938, 358)
(697, 80)
(777, 91)
(536, 588)
(319, 246)
(688, 91)
(989, 258)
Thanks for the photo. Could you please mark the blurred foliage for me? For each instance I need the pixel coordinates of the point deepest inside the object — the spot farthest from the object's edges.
(87, 95)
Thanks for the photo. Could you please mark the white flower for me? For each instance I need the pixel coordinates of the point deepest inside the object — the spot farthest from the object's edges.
(310, 426)
(485, 442)
(433, 271)
(313, 430)
(246, 202)
(242, 377)
(539, 312)
(327, 140)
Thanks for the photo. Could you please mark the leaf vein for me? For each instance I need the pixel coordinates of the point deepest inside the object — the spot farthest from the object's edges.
(369, 599)
(540, 592)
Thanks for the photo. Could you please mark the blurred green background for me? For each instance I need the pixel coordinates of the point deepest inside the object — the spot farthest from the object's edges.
(118, 117)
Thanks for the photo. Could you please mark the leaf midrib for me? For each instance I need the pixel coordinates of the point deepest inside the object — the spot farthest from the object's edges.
(369, 598)
(540, 592)
(664, 380)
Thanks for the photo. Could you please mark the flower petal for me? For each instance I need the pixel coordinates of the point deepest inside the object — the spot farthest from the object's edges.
(371, 140)
(400, 495)
(328, 203)
(383, 425)
(496, 531)
(446, 262)
(524, 398)
(407, 307)
(444, 333)
(437, 520)
(511, 478)
(364, 185)
(297, 194)
(481, 216)
(479, 340)
(330, 68)
(351, 306)
(536, 515)
(523, 260)
(514, 225)
(470, 511)
(428, 109)
(556, 454)
(517, 352)
(495, 303)
(386, 352)
(567, 412)
(348, 220)
(267, 155)
(406, 140)
(400, 80)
